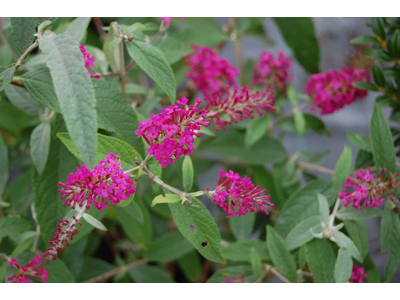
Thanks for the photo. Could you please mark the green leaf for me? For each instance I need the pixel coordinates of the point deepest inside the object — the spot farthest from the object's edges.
(343, 266)
(342, 169)
(302, 41)
(365, 86)
(301, 233)
(344, 241)
(313, 123)
(232, 272)
(378, 26)
(74, 91)
(115, 114)
(24, 243)
(14, 225)
(150, 274)
(91, 267)
(94, 222)
(6, 75)
(378, 54)
(351, 213)
(132, 88)
(242, 226)
(280, 254)
(240, 251)
(323, 207)
(187, 173)
(382, 141)
(39, 84)
(23, 31)
(114, 43)
(321, 260)
(151, 60)
(133, 209)
(394, 44)
(21, 99)
(364, 40)
(303, 204)
(358, 234)
(256, 263)
(168, 247)
(256, 129)
(77, 29)
(300, 123)
(361, 141)
(105, 144)
(4, 171)
(377, 74)
(140, 233)
(167, 198)
(40, 145)
(172, 48)
(265, 151)
(198, 226)
(190, 264)
(59, 273)
(112, 54)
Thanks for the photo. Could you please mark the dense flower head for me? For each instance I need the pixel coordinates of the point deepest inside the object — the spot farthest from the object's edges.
(274, 73)
(209, 71)
(170, 134)
(66, 229)
(357, 274)
(239, 279)
(367, 188)
(106, 182)
(89, 61)
(333, 90)
(233, 191)
(167, 20)
(34, 268)
(239, 105)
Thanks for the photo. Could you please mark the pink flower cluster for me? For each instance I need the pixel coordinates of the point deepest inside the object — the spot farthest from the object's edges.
(238, 106)
(65, 233)
(89, 61)
(33, 268)
(357, 274)
(367, 188)
(167, 20)
(106, 182)
(170, 134)
(209, 71)
(274, 73)
(333, 90)
(239, 279)
(232, 190)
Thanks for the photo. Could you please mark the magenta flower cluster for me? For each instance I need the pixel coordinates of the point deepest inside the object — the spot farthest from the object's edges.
(167, 20)
(239, 105)
(170, 134)
(333, 90)
(65, 233)
(106, 182)
(89, 61)
(34, 268)
(239, 279)
(233, 191)
(357, 274)
(210, 72)
(271, 72)
(367, 188)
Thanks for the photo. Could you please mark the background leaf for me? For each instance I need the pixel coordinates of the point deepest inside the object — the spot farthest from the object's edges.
(4, 171)
(343, 266)
(342, 169)
(77, 29)
(40, 145)
(22, 31)
(21, 99)
(242, 226)
(187, 173)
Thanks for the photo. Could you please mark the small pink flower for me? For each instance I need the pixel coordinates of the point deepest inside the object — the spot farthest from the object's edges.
(274, 73)
(89, 61)
(34, 268)
(167, 20)
(210, 72)
(357, 274)
(233, 191)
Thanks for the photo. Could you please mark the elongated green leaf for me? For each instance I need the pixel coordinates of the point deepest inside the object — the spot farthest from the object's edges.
(256, 263)
(302, 41)
(24, 243)
(301, 233)
(40, 145)
(173, 49)
(342, 169)
(240, 251)
(234, 273)
(390, 241)
(6, 75)
(351, 213)
(4, 171)
(74, 91)
(151, 60)
(23, 31)
(190, 264)
(187, 173)
(358, 234)
(344, 241)
(300, 123)
(242, 226)
(168, 198)
(365, 86)
(59, 273)
(256, 129)
(115, 114)
(382, 141)
(323, 207)
(14, 225)
(112, 54)
(321, 260)
(280, 254)
(21, 99)
(361, 141)
(168, 247)
(343, 266)
(77, 29)
(198, 226)
(150, 274)
(132, 88)
(94, 222)
(133, 209)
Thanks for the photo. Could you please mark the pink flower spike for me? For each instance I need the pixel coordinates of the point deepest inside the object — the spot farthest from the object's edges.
(34, 268)
(89, 61)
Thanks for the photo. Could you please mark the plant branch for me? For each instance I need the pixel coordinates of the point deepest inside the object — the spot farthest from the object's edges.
(116, 271)
(26, 53)
(162, 183)
(276, 272)
(239, 58)
(334, 212)
(17, 83)
(3, 256)
(321, 169)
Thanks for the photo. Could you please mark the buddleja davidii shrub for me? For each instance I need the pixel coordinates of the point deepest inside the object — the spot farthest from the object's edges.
(148, 148)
